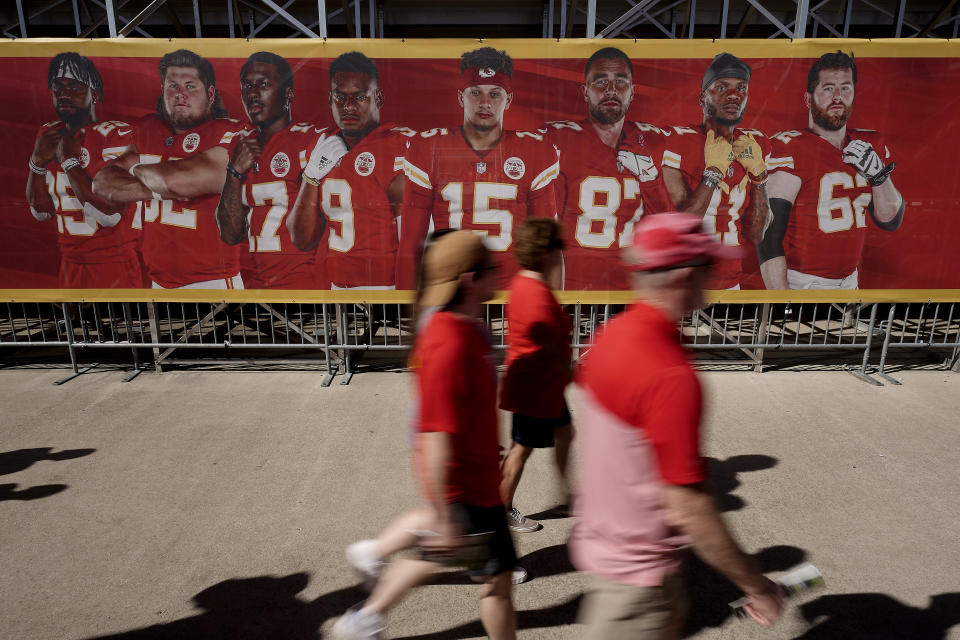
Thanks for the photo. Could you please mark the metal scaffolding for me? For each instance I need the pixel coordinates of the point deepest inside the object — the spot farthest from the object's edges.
(549, 18)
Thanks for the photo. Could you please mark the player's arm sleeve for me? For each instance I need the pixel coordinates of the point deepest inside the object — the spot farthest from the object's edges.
(199, 175)
(414, 220)
(771, 246)
(673, 416)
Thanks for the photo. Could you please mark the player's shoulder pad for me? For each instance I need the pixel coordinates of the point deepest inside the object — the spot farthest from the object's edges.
(680, 130)
(436, 131)
(108, 127)
(304, 127)
(752, 132)
(785, 137)
(528, 135)
(561, 125)
(647, 127)
(407, 132)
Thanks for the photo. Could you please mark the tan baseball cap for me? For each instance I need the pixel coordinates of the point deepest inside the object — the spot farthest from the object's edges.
(445, 261)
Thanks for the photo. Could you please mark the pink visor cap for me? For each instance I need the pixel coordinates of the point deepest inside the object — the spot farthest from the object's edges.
(666, 240)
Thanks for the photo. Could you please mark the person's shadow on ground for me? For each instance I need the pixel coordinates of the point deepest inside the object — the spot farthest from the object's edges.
(877, 616)
(21, 459)
(259, 608)
(724, 477)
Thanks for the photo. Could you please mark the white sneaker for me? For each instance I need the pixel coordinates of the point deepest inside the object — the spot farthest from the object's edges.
(365, 560)
(359, 624)
(520, 523)
(519, 575)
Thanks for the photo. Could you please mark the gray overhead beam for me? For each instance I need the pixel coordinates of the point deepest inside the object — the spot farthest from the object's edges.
(812, 13)
(769, 16)
(269, 19)
(591, 18)
(887, 12)
(644, 17)
(356, 19)
(140, 17)
(196, 18)
(322, 18)
(723, 18)
(898, 19)
(691, 18)
(626, 17)
(290, 19)
(76, 16)
(935, 22)
(111, 19)
(107, 15)
(22, 20)
(800, 23)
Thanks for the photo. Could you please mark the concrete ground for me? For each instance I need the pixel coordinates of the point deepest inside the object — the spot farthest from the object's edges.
(198, 505)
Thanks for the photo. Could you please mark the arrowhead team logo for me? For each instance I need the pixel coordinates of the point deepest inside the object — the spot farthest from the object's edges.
(280, 164)
(191, 142)
(84, 157)
(481, 167)
(514, 167)
(486, 73)
(365, 163)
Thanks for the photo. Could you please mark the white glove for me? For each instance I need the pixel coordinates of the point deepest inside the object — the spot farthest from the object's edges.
(101, 218)
(861, 155)
(324, 157)
(41, 216)
(642, 167)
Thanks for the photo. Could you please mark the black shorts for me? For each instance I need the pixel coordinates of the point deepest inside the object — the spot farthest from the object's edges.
(501, 555)
(537, 433)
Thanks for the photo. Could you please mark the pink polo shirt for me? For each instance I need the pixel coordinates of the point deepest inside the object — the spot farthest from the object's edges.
(639, 429)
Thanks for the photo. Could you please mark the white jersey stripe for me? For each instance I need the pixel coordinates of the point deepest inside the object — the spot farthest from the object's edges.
(671, 159)
(546, 177)
(417, 175)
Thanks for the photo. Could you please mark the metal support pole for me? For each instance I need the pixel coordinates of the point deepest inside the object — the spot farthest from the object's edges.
(847, 16)
(322, 16)
(886, 344)
(550, 22)
(76, 16)
(800, 26)
(861, 373)
(146, 13)
(563, 18)
(898, 19)
(23, 22)
(761, 337)
(373, 23)
(196, 17)
(290, 19)
(230, 16)
(723, 18)
(591, 18)
(112, 19)
(128, 322)
(356, 18)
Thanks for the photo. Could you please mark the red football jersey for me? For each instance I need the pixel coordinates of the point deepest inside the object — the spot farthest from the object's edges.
(82, 239)
(360, 242)
(599, 202)
(828, 222)
(274, 262)
(724, 215)
(450, 185)
(181, 240)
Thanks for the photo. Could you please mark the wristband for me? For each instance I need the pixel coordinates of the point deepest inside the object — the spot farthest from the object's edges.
(712, 177)
(236, 174)
(881, 177)
(69, 163)
(135, 165)
(310, 180)
(760, 179)
(40, 171)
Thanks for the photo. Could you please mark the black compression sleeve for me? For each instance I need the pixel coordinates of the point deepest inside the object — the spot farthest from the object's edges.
(895, 223)
(772, 244)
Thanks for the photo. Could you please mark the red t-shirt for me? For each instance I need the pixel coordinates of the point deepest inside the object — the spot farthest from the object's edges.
(724, 215)
(181, 240)
(81, 239)
(538, 358)
(639, 371)
(828, 222)
(274, 262)
(360, 242)
(458, 395)
(599, 202)
(490, 192)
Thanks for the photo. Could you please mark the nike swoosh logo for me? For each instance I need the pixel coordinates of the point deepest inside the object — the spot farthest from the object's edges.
(123, 133)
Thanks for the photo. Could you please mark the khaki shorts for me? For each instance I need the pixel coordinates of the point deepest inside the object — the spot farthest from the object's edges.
(615, 610)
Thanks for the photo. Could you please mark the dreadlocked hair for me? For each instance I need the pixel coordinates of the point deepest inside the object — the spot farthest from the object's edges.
(80, 67)
(487, 58)
(187, 58)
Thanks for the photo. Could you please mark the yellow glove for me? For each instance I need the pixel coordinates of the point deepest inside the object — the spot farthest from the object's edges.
(717, 153)
(750, 155)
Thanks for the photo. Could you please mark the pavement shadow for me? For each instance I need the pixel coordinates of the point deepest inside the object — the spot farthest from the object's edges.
(258, 608)
(709, 592)
(877, 616)
(10, 492)
(563, 613)
(548, 561)
(724, 477)
(13, 461)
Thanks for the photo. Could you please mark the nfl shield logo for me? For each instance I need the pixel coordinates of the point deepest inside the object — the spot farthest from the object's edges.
(481, 167)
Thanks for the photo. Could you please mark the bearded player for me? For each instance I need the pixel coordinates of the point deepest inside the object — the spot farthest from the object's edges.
(176, 164)
(354, 183)
(477, 176)
(608, 175)
(717, 169)
(95, 251)
(263, 178)
(823, 182)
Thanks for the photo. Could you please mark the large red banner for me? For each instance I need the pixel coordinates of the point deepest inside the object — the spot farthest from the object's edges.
(905, 93)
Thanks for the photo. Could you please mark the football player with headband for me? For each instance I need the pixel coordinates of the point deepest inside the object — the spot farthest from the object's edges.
(353, 183)
(823, 182)
(608, 175)
(716, 169)
(175, 164)
(96, 252)
(477, 176)
(263, 178)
